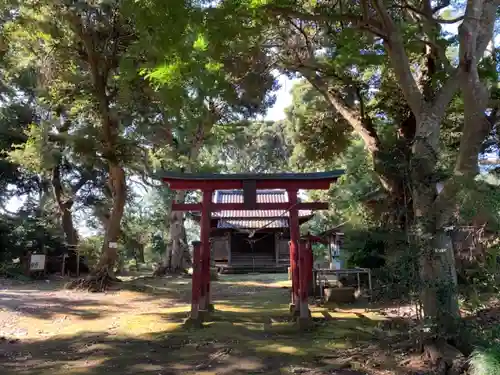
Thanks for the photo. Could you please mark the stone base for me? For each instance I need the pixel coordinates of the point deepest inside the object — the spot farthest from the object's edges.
(340, 295)
(193, 322)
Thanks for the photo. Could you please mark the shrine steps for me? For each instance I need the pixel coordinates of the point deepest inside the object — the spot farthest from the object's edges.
(245, 269)
(252, 262)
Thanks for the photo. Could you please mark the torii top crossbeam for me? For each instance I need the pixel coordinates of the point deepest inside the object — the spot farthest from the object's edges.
(202, 181)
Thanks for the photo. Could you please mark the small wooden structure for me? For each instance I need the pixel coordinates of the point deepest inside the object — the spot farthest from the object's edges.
(320, 277)
(249, 184)
(319, 281)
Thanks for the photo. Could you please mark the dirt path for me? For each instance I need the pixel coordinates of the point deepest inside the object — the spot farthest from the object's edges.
(41, 310)
(49, 330)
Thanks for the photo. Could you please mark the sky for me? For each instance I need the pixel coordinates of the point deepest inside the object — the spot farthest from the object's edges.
(283, 99)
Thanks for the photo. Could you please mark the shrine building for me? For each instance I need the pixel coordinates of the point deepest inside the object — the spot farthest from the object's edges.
(252, 240)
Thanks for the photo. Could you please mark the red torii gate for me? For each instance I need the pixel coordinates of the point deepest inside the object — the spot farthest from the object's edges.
(249, 183)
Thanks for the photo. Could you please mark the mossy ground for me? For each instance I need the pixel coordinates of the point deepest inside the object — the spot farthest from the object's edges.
(139, 330)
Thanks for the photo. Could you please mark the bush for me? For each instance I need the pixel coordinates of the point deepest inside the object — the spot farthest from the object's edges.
(391, 258)
(485, 361)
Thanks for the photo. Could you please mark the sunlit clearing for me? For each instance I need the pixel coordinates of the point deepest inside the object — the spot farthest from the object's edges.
(284, 349)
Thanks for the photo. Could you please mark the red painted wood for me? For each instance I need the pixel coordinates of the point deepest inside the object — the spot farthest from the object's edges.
(241, 207)
(294, 242)
(205, 248)
(249, 194)
(179, 184)
(315, 239)
(187, 207)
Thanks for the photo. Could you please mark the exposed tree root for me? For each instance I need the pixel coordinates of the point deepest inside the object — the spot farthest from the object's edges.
(446, 359)
(164, 270)
(99, 282)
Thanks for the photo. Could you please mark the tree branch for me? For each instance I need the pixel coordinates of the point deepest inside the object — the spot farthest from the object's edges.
(357, 22)
(429, 17)
(399, 60)
(360, 125)
(453, 20)
(444, 96)
(441, 5)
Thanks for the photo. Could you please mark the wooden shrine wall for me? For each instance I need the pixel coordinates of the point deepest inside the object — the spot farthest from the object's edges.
(282, 251)
(221, 248)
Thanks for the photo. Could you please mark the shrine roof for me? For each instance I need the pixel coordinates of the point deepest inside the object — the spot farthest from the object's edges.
(252, 224)
(263, 196)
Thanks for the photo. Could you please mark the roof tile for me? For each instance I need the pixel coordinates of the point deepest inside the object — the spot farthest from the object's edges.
(252, 224)
(263, 196)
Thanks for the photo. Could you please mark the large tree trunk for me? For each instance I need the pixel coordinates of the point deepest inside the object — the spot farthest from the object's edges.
(437, 272)
(65, 205)
(176, 246)
(109, 254)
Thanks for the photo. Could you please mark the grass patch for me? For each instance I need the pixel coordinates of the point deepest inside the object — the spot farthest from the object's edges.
(485, 361)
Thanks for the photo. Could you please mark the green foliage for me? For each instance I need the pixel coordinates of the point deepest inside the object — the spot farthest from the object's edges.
(485, 361)
(251, 146)
(28, 232)
(90, 247)
(36, 154)
(319, 132)
(480, 199)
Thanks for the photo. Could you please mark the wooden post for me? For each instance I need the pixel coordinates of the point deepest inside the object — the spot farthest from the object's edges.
(228, 236)
(63, 266)
(359, 282)
(309, 265)
(304, 318)
(77, 261)
(205, 302)
(196, 281)
(276, 249)
(370, 282)
(294, 244)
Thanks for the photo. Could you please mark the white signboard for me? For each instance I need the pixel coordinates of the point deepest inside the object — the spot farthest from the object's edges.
(37, 262)
(113, 245)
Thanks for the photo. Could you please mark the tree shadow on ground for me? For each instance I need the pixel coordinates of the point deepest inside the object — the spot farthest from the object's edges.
(35, 304)
(251, 332)
(226, 345)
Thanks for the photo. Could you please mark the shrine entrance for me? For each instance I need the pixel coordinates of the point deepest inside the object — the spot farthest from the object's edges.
(300, 252)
